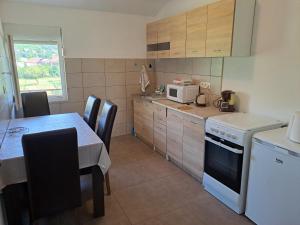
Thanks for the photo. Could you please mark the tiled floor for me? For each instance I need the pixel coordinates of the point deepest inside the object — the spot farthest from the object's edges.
(148, 190)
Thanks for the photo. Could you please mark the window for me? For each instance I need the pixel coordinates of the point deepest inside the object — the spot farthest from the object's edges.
(38, 63)
(40, 67)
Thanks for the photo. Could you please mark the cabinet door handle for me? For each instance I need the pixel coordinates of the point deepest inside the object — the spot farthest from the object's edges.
(279, 161)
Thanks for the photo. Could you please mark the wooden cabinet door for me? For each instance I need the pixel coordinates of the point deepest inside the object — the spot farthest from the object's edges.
(148, 122)
(138, 116)
(177, 36)
(174, 136)
(160, 137)
(143, 120)
(220, 28)
(152, 40)
(193, 146)
(196, 32)
(160, 128)
(163, 38)
(160, 114)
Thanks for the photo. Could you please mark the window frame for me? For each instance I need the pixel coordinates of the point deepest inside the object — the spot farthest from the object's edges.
(55, 98)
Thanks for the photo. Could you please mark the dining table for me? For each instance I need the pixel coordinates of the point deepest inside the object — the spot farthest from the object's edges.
(92, 154)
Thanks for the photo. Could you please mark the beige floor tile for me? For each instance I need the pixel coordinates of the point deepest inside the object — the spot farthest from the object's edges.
(148, 190)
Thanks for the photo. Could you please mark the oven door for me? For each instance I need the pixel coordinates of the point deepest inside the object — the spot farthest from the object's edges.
(224, 161)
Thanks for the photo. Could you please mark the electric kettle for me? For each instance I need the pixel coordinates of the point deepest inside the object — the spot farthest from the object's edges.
(293, 132)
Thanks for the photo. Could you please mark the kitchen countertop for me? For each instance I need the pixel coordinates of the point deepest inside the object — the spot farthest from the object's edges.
(150, 98)
(191, 109)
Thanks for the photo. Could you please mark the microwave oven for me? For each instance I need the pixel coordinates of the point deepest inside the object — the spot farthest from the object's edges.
(182, 94)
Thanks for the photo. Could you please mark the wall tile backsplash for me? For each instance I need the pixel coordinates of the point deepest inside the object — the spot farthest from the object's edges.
(113, 79)
(118, 80)
(197, 69)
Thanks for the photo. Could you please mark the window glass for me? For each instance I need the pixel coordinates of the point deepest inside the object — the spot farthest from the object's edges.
(39, 68)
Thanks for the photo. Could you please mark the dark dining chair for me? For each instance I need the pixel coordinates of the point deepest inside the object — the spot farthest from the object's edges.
(91, 111)
(35, 104)
(52, 168)
(104, 130)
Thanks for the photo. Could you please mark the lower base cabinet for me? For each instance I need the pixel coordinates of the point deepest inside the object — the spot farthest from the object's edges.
(160, 137)
(193, 146)
(143, 120)
(160, 129)
(174, 136)
(178, 136)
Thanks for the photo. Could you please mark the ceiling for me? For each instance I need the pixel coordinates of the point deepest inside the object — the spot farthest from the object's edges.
(140, 7)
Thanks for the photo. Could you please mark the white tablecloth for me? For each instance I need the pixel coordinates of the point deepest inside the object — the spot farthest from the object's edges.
(91, 149)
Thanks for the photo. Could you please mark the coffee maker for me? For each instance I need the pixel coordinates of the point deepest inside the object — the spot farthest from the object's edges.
(226, 102)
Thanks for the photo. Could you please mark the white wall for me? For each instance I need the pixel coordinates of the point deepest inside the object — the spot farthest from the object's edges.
(269, 81)
(177, 6)
(87, 34)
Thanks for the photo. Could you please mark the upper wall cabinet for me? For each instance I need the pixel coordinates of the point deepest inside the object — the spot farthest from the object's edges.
(196, 32)
(220, 21)
(229, 28)
(163, 38)
(220, 29)
(177, 26)
(152, 40)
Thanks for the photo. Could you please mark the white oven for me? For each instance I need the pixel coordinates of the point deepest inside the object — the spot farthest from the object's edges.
(182, 94)
(227, 155)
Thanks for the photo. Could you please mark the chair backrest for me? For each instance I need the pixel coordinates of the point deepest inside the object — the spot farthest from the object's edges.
(106, 122)
(91, 111)
(52, 167)
(35, 104)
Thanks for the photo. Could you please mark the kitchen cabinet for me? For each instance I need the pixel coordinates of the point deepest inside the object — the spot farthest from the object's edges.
(160, 129)
(174, 136)
(229, 28)
(152, 40)
(143, 120)
(163, 38)
(193, 146)
(177, 26)
(196, 32)
(220, 29)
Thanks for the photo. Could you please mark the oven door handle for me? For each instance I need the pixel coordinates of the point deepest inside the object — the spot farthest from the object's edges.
(234, 150)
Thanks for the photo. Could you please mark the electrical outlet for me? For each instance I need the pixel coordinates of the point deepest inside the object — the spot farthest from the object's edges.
(205, 85)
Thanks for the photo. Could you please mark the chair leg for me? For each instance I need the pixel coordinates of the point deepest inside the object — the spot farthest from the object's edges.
(107, 183)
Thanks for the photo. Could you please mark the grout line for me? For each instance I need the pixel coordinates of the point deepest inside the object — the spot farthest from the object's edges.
(117, 201)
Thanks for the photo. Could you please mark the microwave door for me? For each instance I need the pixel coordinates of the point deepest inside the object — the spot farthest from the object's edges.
(173, 92)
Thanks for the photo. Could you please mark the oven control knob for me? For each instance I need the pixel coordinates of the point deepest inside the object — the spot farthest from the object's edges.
(234, 137)
(229, 135)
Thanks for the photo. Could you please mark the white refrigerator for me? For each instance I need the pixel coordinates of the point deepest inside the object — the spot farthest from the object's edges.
(273, 196)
